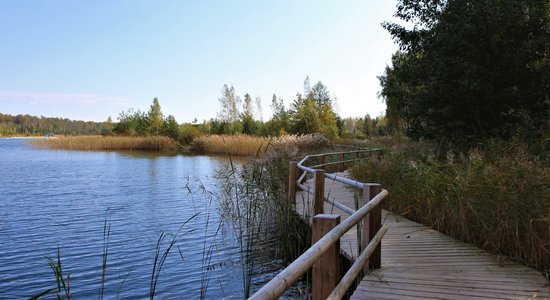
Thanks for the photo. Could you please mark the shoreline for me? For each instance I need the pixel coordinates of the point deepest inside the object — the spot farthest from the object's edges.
(20, 137)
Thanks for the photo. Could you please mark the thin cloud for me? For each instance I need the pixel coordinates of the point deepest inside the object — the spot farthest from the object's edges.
(32, 98)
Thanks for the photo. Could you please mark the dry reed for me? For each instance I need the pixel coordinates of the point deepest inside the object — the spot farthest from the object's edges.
(497, 199)
(246, 145)
(108, 143)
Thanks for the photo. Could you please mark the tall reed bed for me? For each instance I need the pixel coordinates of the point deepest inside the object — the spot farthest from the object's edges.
(246, 145)
(497, 198)
(257, 206)
(108, 143)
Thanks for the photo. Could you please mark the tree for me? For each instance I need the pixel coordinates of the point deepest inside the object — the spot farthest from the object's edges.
(314, 113)
(170, 127)
(108, 129)
(280, 121)
(155, 118)
(259, 110)
(131, 123)
(469, 69)
(229, 113)
(249, 125)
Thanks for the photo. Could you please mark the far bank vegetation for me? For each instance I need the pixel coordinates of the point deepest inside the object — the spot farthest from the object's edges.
(109, 143)
(237, 129)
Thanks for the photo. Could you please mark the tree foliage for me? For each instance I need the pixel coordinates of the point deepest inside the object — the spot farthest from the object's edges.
(314, 112)
(469, 69)
(249, 124)
(228, 117)
(155, 118)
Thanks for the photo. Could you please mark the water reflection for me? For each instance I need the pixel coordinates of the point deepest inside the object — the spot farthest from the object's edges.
(52, 200)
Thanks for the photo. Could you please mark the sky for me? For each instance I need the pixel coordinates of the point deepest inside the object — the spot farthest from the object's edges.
(88, 60)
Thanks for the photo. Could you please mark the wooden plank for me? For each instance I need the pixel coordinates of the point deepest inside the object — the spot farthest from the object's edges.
(419, 262)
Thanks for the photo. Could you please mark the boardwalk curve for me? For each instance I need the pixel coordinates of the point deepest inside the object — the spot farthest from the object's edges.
(421, 263)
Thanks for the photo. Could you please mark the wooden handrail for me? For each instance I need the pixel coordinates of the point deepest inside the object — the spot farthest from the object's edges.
(330, 200)
(311, 170)
(280, 283)
(357, 266)
(372, 233)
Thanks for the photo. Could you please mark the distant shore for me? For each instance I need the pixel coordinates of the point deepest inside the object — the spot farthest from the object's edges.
(21, 137)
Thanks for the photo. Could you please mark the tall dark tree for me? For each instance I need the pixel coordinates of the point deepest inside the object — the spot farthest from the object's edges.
(470, 69)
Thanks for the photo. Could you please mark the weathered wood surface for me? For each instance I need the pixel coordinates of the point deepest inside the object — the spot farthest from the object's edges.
(421, 263)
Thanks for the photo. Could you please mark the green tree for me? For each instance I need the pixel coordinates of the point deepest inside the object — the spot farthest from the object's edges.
(469, 69)
(155, 118)
(229, 112)
(187, 133)
(314, 113)
(249, 124)
(108, 129)
(170, 127)
(279, 124)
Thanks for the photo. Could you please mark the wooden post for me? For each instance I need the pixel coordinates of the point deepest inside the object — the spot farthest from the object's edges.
(342, 165)
(322, 162)
(371, 224)
(319, 196)
(326, 270)
(292, 177)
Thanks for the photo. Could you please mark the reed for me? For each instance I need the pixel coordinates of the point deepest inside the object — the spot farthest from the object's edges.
(165, 243)
(497, 198)
(246, 145)
(255, 203)
(108, 143)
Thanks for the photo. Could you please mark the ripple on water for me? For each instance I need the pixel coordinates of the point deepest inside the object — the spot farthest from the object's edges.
(52, 200)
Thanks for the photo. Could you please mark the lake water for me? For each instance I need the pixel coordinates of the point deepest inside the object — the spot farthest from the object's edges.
(52, 200)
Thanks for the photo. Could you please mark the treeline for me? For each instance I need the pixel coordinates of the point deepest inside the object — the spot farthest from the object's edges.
(310, 112)
(26, 125)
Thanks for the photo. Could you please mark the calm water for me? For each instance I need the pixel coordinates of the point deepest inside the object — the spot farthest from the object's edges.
(52, 200)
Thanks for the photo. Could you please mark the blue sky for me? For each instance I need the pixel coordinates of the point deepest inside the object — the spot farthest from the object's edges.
(89, 60)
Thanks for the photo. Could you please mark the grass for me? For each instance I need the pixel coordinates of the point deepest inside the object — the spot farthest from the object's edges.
(108, 143)
(496, 196)
(246, 145)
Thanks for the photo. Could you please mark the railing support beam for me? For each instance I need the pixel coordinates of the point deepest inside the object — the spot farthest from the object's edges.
(326, 271)
(292, 177)
(371, 224)
(319, 196)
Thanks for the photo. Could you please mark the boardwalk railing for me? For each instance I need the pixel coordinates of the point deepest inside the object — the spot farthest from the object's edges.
(324, 254)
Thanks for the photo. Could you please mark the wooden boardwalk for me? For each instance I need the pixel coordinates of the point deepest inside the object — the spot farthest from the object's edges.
(421, 263)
